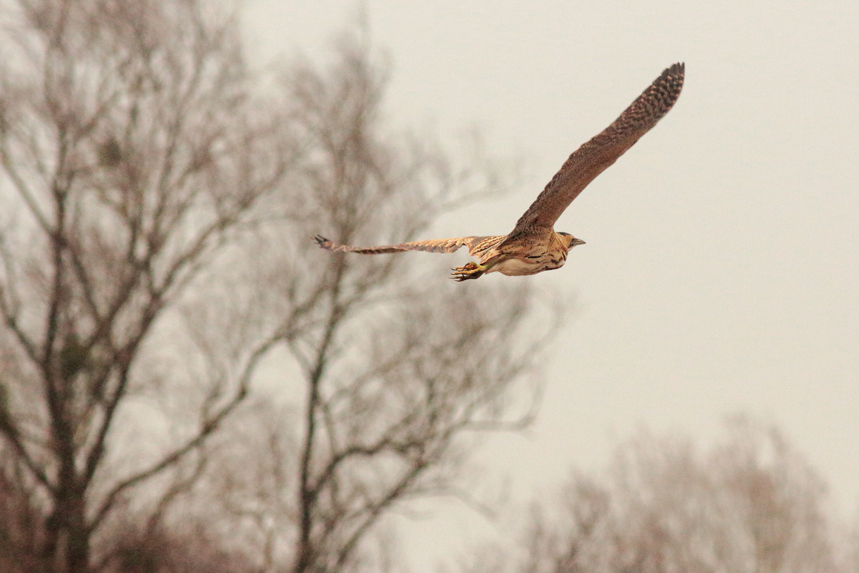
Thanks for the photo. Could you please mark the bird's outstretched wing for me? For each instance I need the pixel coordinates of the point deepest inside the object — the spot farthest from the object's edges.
(475, 246)
(596, 155)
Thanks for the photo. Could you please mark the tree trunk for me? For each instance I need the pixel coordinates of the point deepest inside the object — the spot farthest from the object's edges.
(66, 547)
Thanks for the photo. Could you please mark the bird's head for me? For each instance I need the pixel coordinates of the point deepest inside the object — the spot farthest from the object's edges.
(569, 241)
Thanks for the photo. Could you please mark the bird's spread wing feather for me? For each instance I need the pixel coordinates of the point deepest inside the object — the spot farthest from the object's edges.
(475, 245)
(596, 155)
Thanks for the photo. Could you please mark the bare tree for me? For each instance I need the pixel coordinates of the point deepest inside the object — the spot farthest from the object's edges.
(752, 504)
(133, 156)
(396, 368)
(777, 499)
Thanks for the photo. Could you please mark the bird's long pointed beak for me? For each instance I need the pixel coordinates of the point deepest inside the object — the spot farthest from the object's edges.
(577, 242)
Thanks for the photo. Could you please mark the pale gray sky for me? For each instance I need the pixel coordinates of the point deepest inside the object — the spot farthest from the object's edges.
(721, 271)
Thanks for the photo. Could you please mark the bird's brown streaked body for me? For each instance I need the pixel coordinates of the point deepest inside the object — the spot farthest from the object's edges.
(533, 246)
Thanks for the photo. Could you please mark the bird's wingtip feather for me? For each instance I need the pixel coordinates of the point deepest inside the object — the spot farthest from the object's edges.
(675, 69)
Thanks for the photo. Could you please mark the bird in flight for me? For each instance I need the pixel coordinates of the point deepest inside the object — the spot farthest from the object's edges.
(533, 246)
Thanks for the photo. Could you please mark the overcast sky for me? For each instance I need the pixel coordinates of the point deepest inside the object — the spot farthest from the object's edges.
(721, 271)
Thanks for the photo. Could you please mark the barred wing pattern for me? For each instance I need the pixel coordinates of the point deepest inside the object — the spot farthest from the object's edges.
(476, 246)
(599, 153)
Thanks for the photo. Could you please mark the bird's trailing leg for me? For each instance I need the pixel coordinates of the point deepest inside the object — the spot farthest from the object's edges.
(470, 270)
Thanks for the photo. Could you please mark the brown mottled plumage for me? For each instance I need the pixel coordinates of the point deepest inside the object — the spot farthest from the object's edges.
(533, 246)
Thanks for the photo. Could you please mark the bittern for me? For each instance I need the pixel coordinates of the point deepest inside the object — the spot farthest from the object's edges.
(533, 246)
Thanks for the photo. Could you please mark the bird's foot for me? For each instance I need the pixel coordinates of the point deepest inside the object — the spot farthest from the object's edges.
(324, 243)
(470, 270)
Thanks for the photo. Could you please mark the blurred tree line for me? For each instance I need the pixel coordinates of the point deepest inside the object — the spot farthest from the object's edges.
(750, 503)
(188, 384)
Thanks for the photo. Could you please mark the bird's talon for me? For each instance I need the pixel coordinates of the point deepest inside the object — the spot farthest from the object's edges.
(470, 270)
